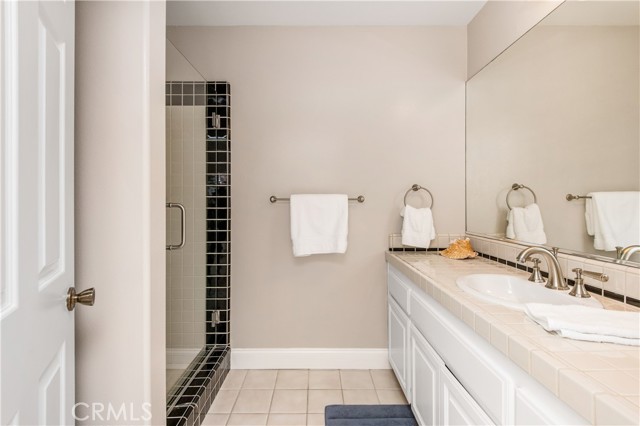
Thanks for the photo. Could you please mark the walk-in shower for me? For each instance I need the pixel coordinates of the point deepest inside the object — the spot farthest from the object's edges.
(198, 239)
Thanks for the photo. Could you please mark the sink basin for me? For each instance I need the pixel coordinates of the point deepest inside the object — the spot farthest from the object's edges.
(513, 291)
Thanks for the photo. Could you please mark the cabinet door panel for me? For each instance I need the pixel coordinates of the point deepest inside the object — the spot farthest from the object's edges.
(457, 407)
(425, 367)
(398, 344)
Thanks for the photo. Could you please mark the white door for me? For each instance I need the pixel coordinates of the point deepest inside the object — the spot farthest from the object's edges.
(36, 214)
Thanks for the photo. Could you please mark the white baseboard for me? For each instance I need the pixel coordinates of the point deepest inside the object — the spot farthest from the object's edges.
(180, 358)
(315, 359)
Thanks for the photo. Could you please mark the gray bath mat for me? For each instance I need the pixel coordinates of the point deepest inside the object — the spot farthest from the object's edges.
(369, 415)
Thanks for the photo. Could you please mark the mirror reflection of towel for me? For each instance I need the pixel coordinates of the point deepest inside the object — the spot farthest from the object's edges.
(525, 224)
(417, 227)
(613, 219)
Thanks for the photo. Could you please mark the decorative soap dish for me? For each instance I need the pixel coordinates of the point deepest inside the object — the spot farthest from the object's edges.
(459, 249)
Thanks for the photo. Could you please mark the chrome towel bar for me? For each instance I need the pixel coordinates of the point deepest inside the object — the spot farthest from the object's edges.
(273, 199)
(416, 187)
(571, 197)
(183, 227)
(517, 186)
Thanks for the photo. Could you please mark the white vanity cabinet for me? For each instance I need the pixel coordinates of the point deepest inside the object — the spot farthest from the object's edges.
(425, 366)
(457, 407)
(452, 376)
(398, 342)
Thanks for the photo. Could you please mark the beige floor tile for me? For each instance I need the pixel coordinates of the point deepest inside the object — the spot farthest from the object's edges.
(360, 396)
(287, 419)
(320, 398)
(315, 419)
(213, 419)
(260, 379)
(234, 379)
(356, 379)
(292, 379)
(324, 379)
(391, 396)
(289, 401)
(253, 401)
(223, 402)
(384, 379)
(247, 420)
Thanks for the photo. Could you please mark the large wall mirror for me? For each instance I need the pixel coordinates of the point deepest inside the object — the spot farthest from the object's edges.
(558, 111)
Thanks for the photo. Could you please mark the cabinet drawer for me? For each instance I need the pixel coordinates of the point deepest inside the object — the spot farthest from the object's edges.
(399, 289)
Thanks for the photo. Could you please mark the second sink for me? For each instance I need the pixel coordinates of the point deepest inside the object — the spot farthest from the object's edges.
(514, 292)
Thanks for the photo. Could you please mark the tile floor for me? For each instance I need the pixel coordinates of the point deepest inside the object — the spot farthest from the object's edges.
(297, 397)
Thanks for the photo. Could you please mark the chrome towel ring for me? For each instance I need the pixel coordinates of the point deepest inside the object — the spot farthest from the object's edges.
(416, 187)
(517, 186)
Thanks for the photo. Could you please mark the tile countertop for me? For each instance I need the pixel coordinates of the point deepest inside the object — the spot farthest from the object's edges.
(600, 381)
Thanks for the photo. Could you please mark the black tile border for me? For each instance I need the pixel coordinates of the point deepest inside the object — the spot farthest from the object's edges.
(189, 403)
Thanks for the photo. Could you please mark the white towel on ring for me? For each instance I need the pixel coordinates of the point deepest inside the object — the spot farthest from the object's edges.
(417, 227)
(525, 224)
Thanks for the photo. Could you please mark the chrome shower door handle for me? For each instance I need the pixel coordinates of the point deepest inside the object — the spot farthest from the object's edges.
(183, 227)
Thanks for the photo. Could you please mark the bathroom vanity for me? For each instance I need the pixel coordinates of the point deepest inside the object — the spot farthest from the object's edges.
(460, 360)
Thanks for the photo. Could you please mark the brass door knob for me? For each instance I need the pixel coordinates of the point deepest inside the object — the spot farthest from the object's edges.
(86, 297)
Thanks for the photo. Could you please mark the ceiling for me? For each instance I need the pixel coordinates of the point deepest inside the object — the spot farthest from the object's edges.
(595, 13)
(321, 13)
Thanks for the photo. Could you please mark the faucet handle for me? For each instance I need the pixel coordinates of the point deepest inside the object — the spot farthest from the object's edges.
(579, 290)
(595, 275)
(536, 275)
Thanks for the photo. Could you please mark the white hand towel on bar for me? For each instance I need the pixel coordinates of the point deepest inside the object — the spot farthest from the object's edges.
(319, 223)
(587, 323)
(525, 224)
(417, 227)
(613, 219)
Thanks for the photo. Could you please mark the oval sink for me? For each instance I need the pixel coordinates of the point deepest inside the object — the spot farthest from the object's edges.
(514, 292)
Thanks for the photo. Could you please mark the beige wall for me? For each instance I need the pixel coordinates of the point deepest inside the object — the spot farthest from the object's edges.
(350, 110)
(498, 24)
(178, 68)
(120, 214)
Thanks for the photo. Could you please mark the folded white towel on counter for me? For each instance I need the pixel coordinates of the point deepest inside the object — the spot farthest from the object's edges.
(319, 223)
(525, 224)
(417, 227)
(587, 323)
(613, 219)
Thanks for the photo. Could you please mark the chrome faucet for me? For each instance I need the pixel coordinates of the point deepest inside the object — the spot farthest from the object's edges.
(626, 252)
(556, 278)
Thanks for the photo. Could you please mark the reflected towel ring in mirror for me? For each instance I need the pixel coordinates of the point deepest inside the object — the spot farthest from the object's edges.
(416, 187)
(517, 186)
